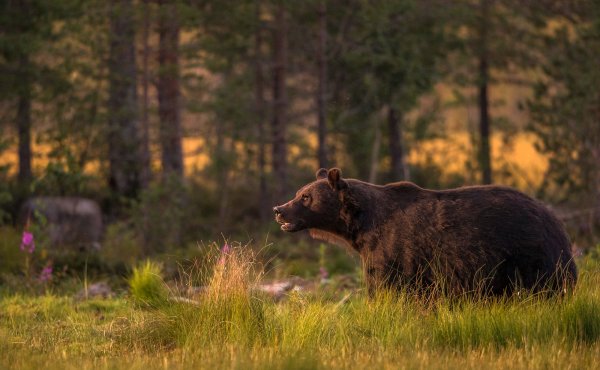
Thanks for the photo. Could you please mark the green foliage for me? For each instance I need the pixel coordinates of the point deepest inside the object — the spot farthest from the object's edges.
(28, 29)
(564, 111)
(20, 270)
(395, 55)
(299, 257)
(63, 174)
(593, 255)
(121, 245)
(5, 195)
(147, 286)
(11, 257)
(159, 216)
(379, 54)
(430, 175)
(399, 45)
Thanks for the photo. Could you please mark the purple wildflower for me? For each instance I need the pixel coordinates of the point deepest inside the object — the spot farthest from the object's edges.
(46, 274)
(27, 242)
(225, 250)
(323, 273)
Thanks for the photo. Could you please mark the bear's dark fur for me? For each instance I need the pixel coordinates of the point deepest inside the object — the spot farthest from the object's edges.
(489, 239)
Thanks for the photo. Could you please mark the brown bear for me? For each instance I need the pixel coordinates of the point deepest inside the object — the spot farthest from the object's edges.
(487, 239)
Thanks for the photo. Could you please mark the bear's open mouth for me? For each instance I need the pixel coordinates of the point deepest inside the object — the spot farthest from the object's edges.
(288, 226)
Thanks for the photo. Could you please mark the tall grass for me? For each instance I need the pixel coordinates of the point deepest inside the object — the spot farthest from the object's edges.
(231, 312)
(231, 324)
(146, 284)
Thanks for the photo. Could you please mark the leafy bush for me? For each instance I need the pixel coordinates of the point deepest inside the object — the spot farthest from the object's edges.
(121, 245)
(11, 258)
(159, 216)
(63, 174)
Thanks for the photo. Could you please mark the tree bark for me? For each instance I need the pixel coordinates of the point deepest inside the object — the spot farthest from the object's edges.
(24, 121)
(279, 121)
(483, 99)
(322, 86)
(399, 166)
(145, 124)
(168, 89)
(596, 195)
(596, 170)
(374, 168)
(263, 207)
(124, 138)
(222, 169)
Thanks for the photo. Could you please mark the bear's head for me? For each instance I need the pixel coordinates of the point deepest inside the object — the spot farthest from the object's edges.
(316, 205)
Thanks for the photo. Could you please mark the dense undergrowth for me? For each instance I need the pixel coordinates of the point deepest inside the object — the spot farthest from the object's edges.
(232, 324)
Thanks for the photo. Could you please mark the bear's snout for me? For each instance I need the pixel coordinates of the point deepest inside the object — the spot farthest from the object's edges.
(282, 218)
(279, 217)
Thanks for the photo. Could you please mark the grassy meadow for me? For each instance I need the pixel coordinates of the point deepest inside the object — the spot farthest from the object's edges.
(231, 324)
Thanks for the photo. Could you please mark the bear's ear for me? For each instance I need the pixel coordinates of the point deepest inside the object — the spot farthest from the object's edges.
(334, 178)
(321, 174)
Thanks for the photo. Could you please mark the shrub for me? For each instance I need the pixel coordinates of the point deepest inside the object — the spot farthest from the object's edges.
(11, 258)
(159, 216)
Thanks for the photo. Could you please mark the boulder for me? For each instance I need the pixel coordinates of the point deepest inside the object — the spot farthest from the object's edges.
(70, 222)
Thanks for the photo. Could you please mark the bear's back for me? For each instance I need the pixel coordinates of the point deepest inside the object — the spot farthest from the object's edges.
(474, 230)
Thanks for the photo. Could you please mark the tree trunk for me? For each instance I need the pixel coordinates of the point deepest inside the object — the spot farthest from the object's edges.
(374, 168)
(484, 116)
(124, 137)
(145, 124)
(24, 121)
(596, 186)
(168, 89)
(399, 170)
(221, 152)
(597, 212)
(279, 121)
(322, 86)
(263, 207)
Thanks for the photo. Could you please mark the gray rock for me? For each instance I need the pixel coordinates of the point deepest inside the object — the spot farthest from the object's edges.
(96, 290)
(70, 222)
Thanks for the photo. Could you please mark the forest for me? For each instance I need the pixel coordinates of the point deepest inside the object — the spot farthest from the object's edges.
(228, 107)
(171, 128)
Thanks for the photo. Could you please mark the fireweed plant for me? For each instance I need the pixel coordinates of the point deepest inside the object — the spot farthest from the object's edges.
(28, 247)
(46, 274)
(27, 242)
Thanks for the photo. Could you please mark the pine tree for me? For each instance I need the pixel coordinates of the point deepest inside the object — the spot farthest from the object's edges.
(168, 89)
(280, 100)
(566, 110)
(124, 135)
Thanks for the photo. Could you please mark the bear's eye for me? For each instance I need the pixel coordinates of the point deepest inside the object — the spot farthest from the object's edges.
(305, 197)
